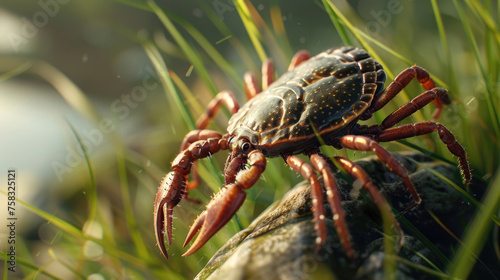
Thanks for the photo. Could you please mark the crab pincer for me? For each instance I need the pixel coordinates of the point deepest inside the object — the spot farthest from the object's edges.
(173, 187)
(167, 197)
(219, 211)
(229, 199)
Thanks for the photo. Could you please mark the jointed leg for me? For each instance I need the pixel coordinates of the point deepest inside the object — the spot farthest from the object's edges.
(250, 85)
(224, 97)
(225, 203)
(359, 174)
(198, 134)
(401, 81)
(173, 186)
(306, 171)
(267, 74)
(190, 138)
(363, 143)
(333, 197)
(411, 130)
(411, 107)
(298, 58)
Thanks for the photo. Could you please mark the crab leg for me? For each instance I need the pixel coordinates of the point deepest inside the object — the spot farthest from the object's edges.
(401, 81)
(250, 82)
(385, 132)
(173, 186)
(306, 171)
(415, 129)
(224, 97)
(225, 203)
(359, 174)
(267, 73)
(298, 58)
(190, 138)
(333, 197)
(414, 105)
(363, 143)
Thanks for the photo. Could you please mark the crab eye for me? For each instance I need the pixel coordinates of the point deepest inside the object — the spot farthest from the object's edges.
(245, 147)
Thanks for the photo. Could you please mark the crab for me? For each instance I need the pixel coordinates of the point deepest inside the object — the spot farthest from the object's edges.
(318, 101)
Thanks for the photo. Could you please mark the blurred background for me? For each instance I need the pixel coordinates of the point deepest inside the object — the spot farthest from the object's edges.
(91, 74)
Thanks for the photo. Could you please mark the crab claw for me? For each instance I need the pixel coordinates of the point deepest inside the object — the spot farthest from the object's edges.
(219, 211)
(169, 194)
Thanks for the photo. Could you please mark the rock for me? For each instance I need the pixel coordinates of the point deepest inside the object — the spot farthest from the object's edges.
(280, 243)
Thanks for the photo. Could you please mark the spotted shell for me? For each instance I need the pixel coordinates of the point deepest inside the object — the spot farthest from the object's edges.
(326, 94)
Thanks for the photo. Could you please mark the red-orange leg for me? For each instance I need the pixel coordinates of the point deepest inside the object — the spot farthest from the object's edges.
(250, 82)
(333, 197)
(196, 135)
(251, 86)
(415, 129)
(298, 58)
(225, 203)
(414, 105)
(173, 186)
(356, 172)
(190, 138)
(401, 81)
(363, 143)
(224, 97)
(306, 171)
(267, 74)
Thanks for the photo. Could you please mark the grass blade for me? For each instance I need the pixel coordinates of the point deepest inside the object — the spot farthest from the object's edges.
(209, 49)
(162, 70)
(190, 53)
(234, 41)
(253, 31)
(360, 37)
(16, 71)
(93, 185)
(278, 53)
(280, 31)
(466, 196)
(487, 19)
(28, 265)
(477, 232)
(134, 230)
(135, 4)
(444, 42)
(421, 268)
(338, 24)
(489, 90)
(166, 80)
(67, 89)
(77, 233)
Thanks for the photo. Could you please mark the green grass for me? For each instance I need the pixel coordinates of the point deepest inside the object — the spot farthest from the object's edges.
(459, 46)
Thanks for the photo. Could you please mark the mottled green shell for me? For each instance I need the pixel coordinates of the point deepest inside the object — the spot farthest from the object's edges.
(330, 91)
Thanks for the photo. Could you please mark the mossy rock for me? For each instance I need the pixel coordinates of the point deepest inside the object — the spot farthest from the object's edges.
(280, 243)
